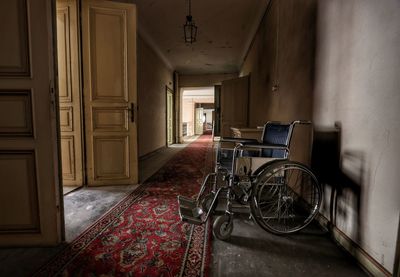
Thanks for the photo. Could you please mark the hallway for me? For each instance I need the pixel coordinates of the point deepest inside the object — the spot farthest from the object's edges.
(93, 95)
(250, 252)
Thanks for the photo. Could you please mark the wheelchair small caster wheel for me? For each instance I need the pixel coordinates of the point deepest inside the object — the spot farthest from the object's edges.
(222, 227)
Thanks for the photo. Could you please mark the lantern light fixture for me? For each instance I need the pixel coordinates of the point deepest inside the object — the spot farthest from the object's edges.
(190, 28)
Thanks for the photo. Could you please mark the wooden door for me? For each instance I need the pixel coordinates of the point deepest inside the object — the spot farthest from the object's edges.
(109, 72)
(234, 104)
(217, 113)
(170, 117)
(29, 178)
(199, 113)
(69, 92)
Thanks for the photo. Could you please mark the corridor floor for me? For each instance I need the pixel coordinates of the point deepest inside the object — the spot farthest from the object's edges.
(250, 252)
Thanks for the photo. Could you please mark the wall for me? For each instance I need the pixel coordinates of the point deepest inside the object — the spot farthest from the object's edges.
(357, 84)
(204, 80)
(282, 53)
(153, 76)
(291, 66)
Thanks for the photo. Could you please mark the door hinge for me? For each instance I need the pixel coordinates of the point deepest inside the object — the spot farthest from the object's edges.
(132, 112)
(52, 97)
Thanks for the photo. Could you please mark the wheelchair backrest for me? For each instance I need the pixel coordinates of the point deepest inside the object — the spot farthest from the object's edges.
(276, 133)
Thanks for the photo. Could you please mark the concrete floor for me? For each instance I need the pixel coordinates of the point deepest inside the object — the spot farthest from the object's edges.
(250, 252)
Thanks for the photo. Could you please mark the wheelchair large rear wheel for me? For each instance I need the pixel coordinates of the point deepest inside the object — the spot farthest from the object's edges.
(286, 197)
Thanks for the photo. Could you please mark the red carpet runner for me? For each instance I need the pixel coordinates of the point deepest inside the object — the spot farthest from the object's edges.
(143, 235)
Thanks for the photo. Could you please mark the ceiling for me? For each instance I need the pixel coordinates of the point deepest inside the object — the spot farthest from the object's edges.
(225, 31)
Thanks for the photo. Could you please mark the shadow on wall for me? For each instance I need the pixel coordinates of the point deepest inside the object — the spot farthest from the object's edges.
(340, 174)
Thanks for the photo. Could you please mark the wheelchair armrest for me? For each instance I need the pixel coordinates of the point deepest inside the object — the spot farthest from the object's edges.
(238, 140)
(265, 146)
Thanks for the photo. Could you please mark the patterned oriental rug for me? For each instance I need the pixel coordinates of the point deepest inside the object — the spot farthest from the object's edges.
(143, 235)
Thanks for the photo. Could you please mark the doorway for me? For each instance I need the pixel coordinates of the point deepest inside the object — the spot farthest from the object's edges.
(197, 111)
(96, 46)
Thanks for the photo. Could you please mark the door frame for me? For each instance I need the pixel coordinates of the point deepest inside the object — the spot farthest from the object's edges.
(169, 90)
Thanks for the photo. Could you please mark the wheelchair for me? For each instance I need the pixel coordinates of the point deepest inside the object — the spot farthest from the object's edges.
(284, 196)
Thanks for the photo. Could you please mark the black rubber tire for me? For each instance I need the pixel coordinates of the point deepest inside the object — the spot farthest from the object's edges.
(223, 227)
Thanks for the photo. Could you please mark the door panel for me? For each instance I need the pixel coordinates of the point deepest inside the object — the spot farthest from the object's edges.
(234, 104)
(69, 93)
(109, 63)
(14, 54)
(29, 189)
(118, 149)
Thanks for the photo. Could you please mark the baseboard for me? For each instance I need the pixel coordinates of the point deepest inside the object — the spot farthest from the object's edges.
(148, 155)
(366, 261)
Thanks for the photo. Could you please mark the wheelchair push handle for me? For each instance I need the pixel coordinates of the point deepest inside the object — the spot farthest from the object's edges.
(302, 122)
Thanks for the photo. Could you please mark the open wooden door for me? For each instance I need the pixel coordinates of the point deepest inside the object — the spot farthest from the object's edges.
(69, 92)
(170, 117)
(199, 113)
(217, 113)
(234, 104)
(29, 177)
(109, 72)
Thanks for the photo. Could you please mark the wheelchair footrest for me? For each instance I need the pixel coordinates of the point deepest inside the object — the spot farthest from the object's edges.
(189, 211)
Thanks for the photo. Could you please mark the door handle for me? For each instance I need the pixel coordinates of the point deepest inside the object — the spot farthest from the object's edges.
(132, 112)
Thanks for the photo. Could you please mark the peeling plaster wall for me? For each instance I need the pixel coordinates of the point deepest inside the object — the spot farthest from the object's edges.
(283, 52)
(153, 77)
(291, 65)
(358, 85)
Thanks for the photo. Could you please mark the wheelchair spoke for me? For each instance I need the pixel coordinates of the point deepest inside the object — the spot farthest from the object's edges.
(288, 198)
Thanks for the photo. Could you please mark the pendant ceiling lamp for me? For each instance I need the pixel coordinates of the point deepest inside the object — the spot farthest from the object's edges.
(190, 28)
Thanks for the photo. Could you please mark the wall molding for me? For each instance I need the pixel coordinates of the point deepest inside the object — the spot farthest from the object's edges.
(367, 262)
(152, 153)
